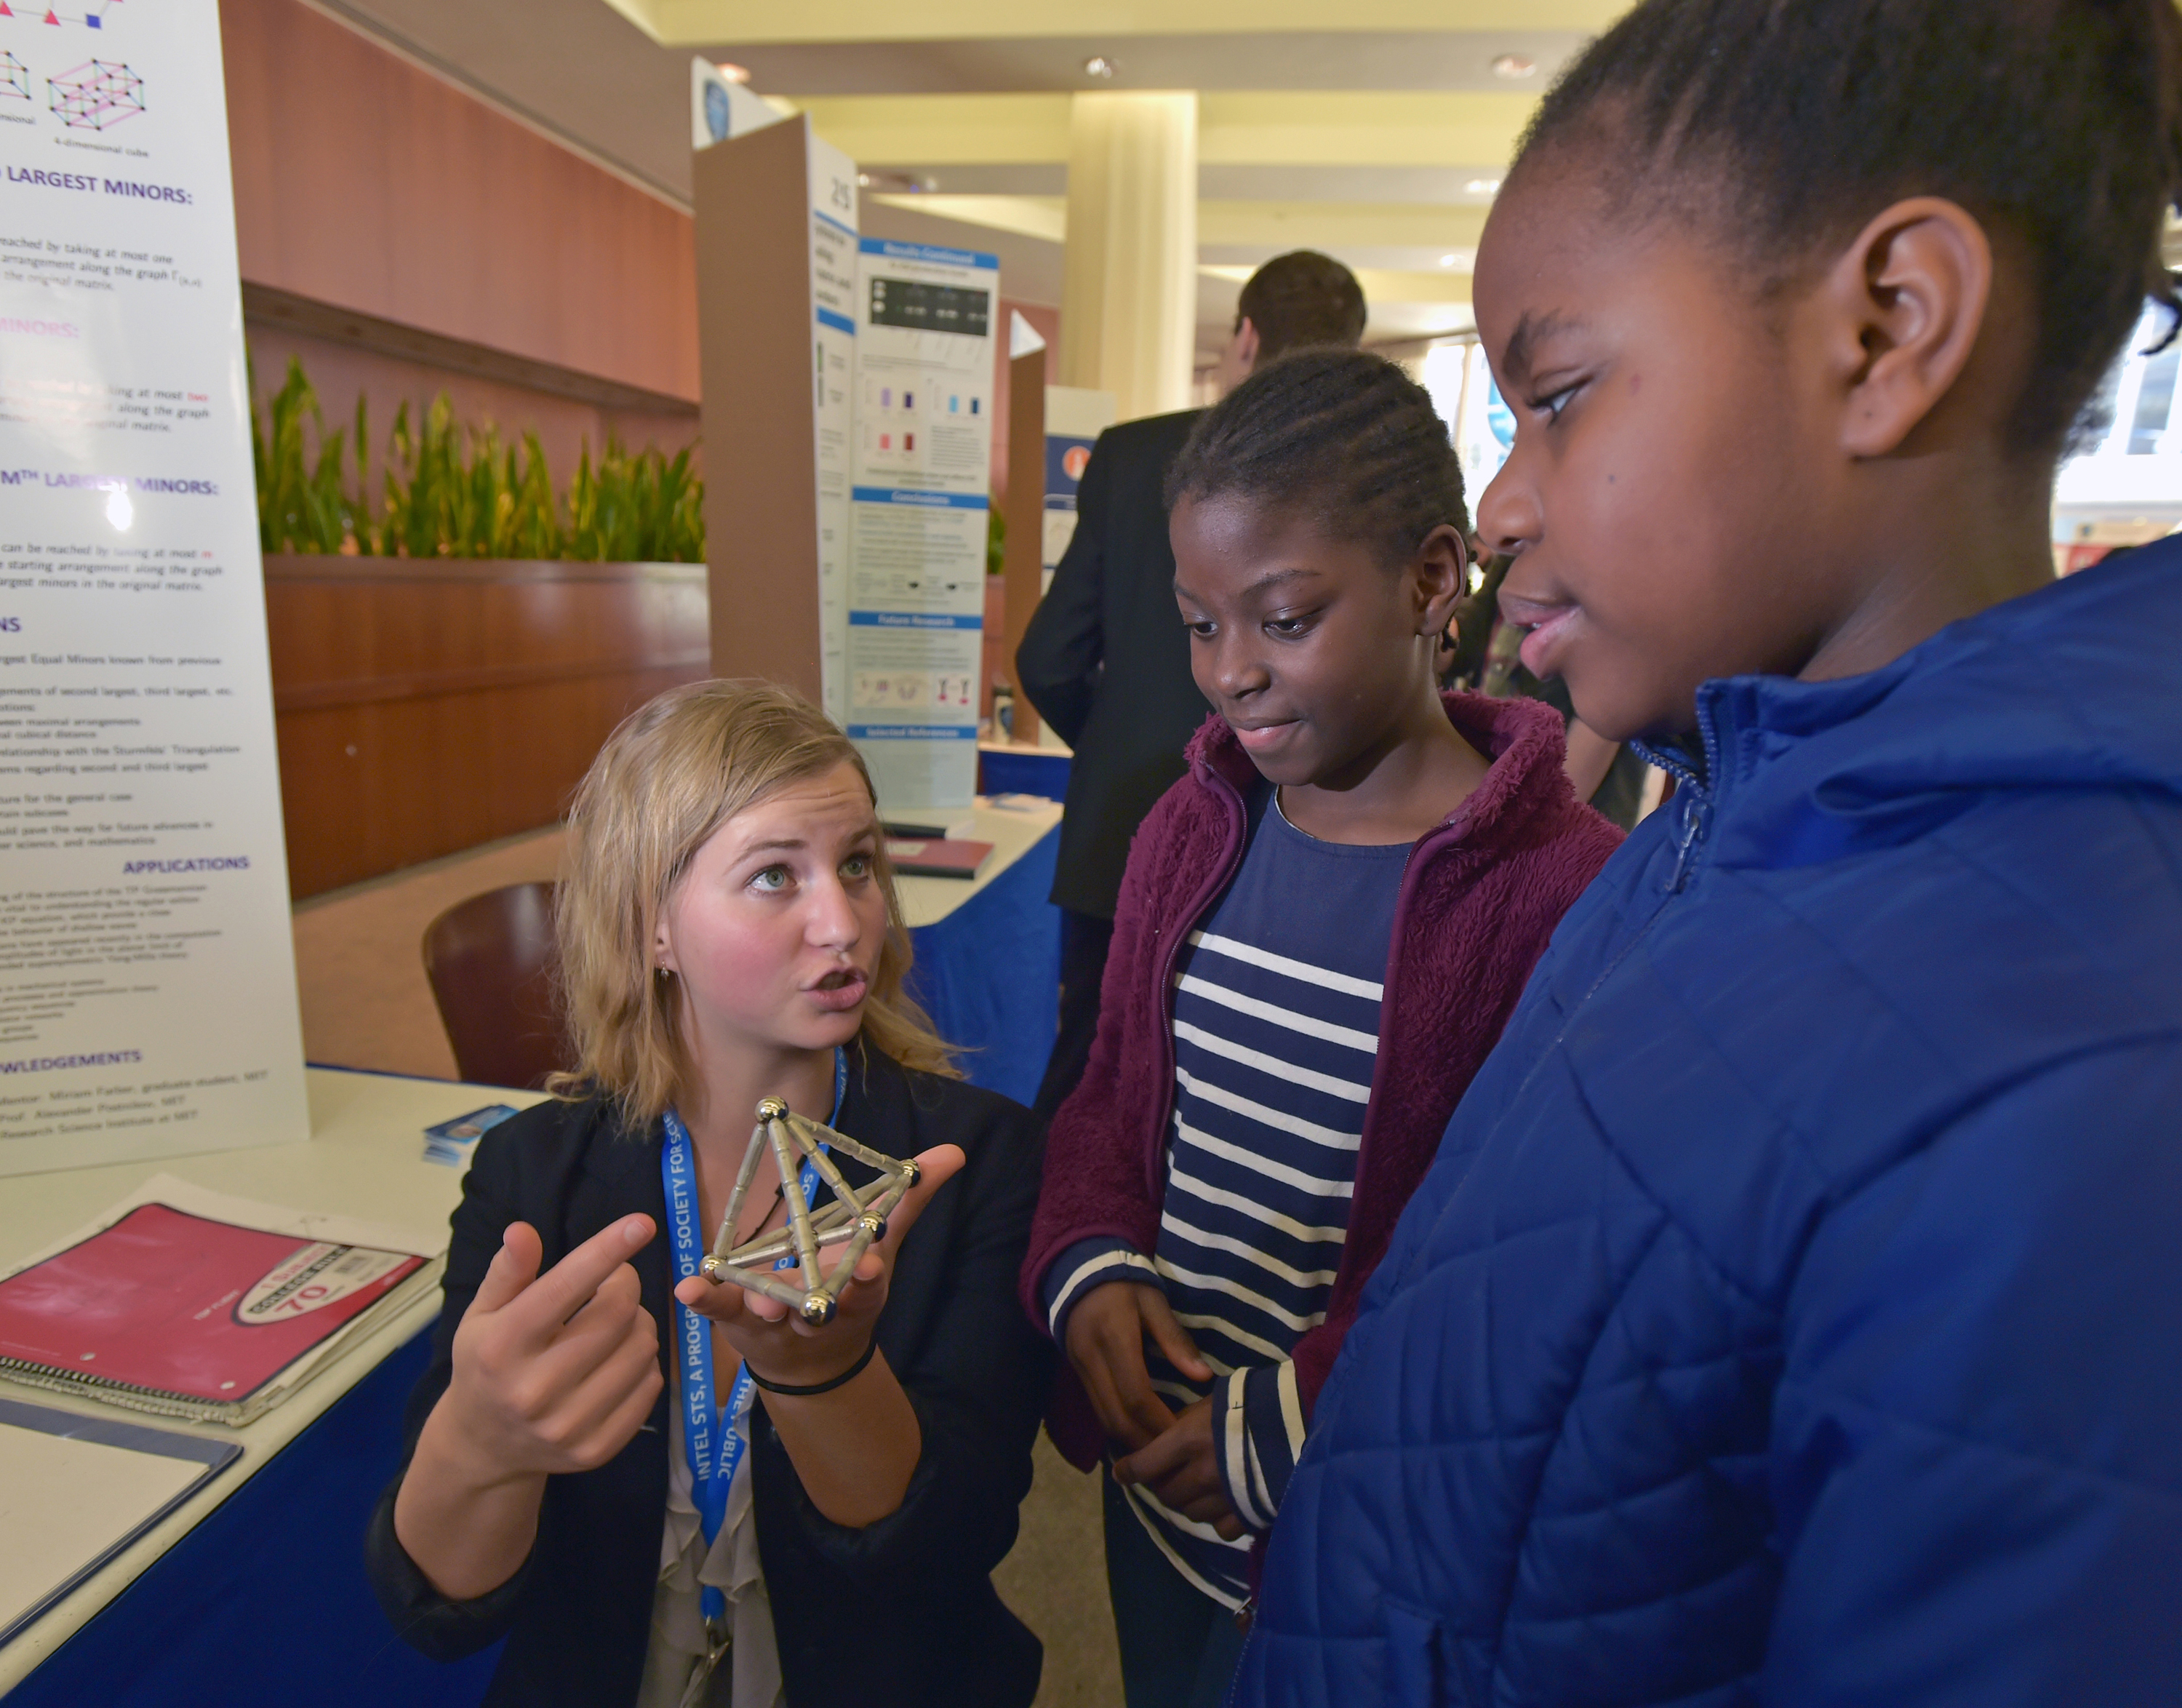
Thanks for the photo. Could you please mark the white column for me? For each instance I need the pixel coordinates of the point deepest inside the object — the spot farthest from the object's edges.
(1128, 298)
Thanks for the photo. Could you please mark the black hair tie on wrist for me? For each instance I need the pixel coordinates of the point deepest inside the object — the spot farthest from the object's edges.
(803, 1390)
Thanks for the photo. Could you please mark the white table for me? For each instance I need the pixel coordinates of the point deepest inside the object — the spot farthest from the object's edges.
(928, 901)
(364, 1159)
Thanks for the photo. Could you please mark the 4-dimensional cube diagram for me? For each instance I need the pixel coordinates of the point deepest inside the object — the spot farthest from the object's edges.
(95, 95)
(14, 78)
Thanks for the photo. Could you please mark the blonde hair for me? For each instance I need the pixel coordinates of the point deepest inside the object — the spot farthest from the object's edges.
(677, 770)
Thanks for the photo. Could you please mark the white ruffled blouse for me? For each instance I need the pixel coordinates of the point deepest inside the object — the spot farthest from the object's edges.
(675, 1675)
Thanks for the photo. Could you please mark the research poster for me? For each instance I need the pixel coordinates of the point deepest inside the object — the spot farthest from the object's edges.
(834, 284)
(1074, 416)
(921, 459)
(147, 989)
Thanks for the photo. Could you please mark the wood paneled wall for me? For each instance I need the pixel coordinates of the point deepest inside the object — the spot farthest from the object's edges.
(426, 706)
(364, 181)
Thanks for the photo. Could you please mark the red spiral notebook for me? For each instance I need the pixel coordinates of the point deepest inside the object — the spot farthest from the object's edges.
(938, 858)
(170, 1308)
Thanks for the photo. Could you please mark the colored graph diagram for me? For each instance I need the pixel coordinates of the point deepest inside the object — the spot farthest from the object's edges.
(95, 95)
(92, 17)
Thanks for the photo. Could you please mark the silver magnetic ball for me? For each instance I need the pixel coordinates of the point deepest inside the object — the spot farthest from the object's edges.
(771, 1109)
(911, 1175)
(874, 1225)
(818, 1310)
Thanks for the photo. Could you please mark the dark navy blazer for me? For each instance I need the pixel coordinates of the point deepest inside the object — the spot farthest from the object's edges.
(902, 1611)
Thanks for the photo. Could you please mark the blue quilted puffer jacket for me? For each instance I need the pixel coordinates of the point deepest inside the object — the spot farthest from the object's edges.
(1793, 1314)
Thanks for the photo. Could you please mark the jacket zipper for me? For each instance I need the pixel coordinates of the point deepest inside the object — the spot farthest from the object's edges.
(1697, 816)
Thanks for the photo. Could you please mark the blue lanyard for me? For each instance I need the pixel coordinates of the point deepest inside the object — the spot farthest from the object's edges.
(714, 1449)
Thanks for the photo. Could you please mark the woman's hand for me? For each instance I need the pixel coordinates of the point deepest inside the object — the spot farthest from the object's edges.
(1181, 1468)
(552, 1373)
(855, 1447)
(1105, 1335)
(775, 1341)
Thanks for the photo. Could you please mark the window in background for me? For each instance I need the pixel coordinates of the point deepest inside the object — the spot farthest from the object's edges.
(2125, 487)
(1478, 419)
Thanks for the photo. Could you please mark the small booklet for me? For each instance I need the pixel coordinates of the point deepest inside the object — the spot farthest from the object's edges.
(191, 1304)
(451, 1142)
(938, 859)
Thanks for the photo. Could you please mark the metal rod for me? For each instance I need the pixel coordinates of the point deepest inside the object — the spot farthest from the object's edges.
(755, 1281)
(724, 1242)
(781, 1244)
(867, 1227)
(843, 1191)
(799, 1213)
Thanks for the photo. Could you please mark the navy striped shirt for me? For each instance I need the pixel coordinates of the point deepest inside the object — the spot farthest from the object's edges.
(1276, 1032)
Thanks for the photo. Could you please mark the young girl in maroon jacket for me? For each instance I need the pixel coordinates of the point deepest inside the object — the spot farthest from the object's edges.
(1322, 929)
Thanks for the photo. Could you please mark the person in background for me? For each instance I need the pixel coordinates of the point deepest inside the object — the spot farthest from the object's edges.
(674, 1495)
(1483, 657)
(1322, 928)
(1790, 1317)
(1105, 662)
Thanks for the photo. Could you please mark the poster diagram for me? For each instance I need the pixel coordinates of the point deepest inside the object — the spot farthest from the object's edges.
(921, 510)
(95, 95)
(147, 993)
(92, 18)
(14, 78)
(833, 372)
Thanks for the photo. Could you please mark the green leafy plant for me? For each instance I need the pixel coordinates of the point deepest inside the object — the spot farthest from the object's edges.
(457, 491)
(303, 505)
(640, 510)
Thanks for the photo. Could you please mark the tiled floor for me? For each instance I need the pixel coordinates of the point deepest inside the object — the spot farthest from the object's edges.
(360, 968)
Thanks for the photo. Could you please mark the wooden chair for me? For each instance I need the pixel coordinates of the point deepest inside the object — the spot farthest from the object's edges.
(491, 961)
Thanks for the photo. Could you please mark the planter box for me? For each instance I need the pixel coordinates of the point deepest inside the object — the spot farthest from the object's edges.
(424, 705)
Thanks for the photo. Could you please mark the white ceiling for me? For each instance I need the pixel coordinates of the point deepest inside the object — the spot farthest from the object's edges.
(1385, 125)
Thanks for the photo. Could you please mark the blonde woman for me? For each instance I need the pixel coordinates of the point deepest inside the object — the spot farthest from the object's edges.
(728, 933)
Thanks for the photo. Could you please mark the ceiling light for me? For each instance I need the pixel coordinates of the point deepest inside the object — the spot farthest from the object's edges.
(1515, 67)
(1099, 66)
(1482, 187)
(735, 74)
(1448, 260)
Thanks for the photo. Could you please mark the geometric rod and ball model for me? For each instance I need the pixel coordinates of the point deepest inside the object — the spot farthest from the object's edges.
(854, 1219)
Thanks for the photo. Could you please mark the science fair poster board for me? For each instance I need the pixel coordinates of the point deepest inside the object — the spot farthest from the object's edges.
(923, 459)
(721, 107)
(1074, 416)
(777, 307)
(147, 986)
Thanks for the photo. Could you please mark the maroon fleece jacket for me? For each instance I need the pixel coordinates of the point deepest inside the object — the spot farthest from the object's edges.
(1479, 899)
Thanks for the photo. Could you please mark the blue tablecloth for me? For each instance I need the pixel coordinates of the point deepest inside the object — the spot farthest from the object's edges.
(1022, 773)
(264, 1605)
(990, 974)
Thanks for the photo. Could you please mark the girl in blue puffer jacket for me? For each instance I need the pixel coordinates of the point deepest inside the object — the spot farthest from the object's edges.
(1793, 1314)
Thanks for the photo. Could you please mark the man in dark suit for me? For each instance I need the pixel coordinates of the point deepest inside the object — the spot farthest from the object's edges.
(1106, 660)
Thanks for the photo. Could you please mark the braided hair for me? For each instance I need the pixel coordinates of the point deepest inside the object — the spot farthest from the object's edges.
(1783, 126)
(1341, 436)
